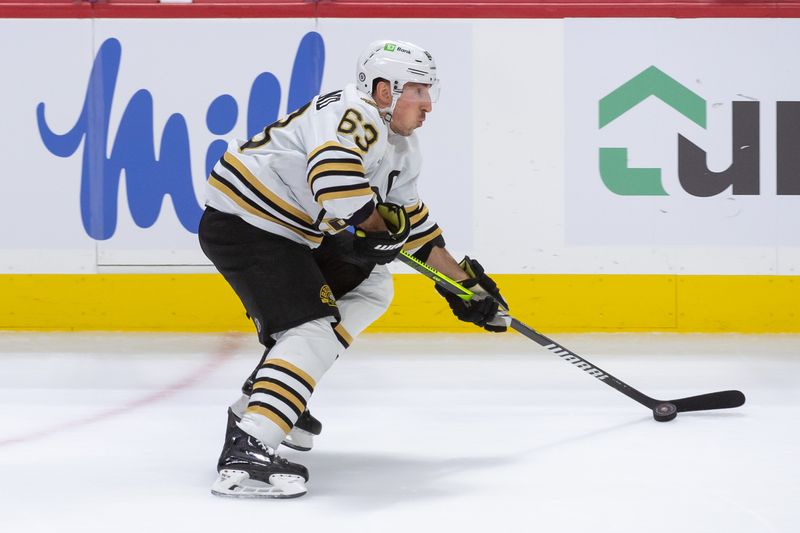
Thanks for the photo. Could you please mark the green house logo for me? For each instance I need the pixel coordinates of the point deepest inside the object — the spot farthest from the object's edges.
(742, 177)
(614, 170)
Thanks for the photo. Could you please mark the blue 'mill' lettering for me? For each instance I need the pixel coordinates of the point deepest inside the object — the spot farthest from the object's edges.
(148, 178)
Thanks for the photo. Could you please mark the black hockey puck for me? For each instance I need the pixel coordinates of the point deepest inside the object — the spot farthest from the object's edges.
(664, 412)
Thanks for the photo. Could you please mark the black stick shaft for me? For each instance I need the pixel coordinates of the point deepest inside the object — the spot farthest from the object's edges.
(583, 364)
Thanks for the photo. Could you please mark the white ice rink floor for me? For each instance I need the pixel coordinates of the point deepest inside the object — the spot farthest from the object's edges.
(474, 433)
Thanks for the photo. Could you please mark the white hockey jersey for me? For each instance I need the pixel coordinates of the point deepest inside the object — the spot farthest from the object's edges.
(395, 181)
(307, 173)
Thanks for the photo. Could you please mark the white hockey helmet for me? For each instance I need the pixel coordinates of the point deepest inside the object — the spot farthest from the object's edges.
(397, 62)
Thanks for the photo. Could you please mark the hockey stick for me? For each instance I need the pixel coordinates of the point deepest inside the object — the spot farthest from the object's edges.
(663, 411)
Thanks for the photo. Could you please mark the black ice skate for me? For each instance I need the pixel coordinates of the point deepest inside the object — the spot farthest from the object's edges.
(301, 437)
(249, 469)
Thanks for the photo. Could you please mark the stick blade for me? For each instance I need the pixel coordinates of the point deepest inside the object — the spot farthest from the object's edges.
(713, 400)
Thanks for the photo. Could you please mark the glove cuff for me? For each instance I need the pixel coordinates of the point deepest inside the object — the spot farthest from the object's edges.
(471, 267)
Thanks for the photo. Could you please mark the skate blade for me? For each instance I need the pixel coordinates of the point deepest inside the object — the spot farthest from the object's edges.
(237, 484)
(299, 439)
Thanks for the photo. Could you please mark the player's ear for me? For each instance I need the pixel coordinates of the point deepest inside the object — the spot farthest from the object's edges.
(382, 93)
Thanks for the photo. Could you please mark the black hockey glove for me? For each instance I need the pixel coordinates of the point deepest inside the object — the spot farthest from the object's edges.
(383, 246)
(482, 308)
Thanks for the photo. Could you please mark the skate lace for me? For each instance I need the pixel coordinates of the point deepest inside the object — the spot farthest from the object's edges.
(269, 452)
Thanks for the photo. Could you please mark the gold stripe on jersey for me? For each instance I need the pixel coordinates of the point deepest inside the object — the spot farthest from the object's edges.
(234, 195)
(332, 145)
(421, 240)
(330, 167)
(412, 208)
(263, 411)
(285, 395)
(336, 193)
(335, 225)
(245, 174)
(415, 217)
(291, 368)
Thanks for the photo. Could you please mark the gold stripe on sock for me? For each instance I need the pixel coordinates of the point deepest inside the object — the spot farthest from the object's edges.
(289, 366)
(257, 409)
(284, 394)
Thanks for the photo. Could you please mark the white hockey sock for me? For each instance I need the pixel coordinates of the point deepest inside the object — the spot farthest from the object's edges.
(240, 405)
(287, 378)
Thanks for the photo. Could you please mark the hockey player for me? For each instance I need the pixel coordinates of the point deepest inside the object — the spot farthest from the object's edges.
(278, 207)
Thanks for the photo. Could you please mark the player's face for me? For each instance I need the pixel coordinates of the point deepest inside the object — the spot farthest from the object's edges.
(411, 108)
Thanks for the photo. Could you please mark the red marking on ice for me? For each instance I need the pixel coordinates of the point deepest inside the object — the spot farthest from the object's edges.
(225, 352)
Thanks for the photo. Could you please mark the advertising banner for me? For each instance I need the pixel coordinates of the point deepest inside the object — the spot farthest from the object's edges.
(590, 145)
(682, 132)
(109, 136)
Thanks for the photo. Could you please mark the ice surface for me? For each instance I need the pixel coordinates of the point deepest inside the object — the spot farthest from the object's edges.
(470, 433)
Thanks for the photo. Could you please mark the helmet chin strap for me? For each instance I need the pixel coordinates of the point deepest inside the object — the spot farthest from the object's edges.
(388, 112)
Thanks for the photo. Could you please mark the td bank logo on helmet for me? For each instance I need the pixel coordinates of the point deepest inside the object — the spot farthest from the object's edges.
(742, 177)
(392, 47)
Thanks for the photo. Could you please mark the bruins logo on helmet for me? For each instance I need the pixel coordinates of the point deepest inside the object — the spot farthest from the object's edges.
(326, 296)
